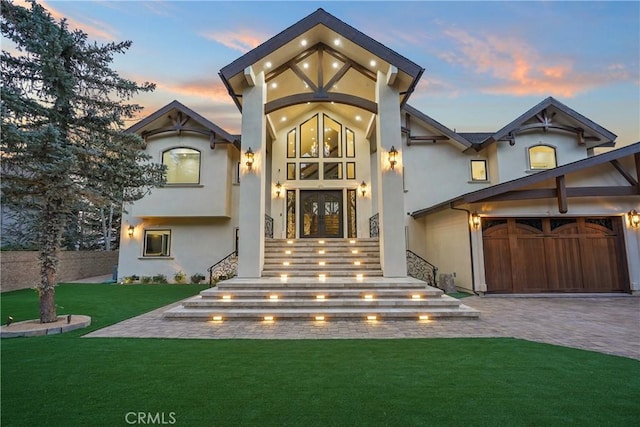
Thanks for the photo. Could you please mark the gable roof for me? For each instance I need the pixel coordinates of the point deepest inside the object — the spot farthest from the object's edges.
(219, 135)
(438, 126)
(496, 190)
(321, 17)
(604, 137)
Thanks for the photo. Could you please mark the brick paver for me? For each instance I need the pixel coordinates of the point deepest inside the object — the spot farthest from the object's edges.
(604, 324)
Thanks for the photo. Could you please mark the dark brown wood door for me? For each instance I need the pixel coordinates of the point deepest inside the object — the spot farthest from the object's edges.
(321, 214)
(529, 255)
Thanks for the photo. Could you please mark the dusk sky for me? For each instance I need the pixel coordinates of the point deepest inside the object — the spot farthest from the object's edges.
(485, 62)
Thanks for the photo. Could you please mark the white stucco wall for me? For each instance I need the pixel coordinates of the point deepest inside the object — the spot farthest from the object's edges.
(447, 236)
(207, 199)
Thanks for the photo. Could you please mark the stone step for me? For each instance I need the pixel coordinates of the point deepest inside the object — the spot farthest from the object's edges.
(311, 293)
(352, 313)
(328, 266)
(313, 274)
(331, 282)
(268, 304)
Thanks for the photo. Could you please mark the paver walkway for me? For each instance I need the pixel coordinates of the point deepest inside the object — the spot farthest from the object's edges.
(605, 324)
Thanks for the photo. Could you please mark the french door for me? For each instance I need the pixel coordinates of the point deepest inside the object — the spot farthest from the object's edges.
(321, 214)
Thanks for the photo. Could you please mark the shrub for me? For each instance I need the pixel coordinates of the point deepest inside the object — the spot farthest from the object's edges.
(197, 278)
(159, 278)
(146, 279)
(180, 277)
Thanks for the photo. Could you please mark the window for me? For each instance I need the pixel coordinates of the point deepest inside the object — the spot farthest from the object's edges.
(157, 242)
(309, 138)
(479, 170)
(351, 143)
(333, 170)
(542, 157)
(351, 170)
(291, 144)
(309, 171)
(332, 146)
(183, 165)
(238, 171)
(291, 171)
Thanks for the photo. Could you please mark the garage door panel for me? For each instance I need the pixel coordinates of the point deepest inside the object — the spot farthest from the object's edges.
(564, 266)
(601, 264)
(530, 276)
(498, 264)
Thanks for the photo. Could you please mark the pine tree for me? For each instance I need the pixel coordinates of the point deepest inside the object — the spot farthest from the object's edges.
(63, 112)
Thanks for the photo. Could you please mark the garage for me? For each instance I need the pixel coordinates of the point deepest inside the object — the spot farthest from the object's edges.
(536, 255)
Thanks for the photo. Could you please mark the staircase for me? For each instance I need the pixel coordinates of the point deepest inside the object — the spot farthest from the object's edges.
(322, 280)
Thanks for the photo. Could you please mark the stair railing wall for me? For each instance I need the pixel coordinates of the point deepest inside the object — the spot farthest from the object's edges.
(226, 268)
(421, 269)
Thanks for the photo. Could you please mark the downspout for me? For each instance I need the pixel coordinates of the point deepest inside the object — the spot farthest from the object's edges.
(473, 275)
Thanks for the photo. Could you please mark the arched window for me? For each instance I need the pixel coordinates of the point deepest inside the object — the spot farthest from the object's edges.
(183, 165)
(542, 157)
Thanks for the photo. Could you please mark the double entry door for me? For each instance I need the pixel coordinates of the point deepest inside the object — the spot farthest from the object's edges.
(321, 213)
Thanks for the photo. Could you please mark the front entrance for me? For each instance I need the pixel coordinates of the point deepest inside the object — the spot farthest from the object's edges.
(321, 214)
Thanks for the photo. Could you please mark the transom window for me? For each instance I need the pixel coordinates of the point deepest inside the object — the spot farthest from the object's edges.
(157, 243)
(183, 165)
(542, 157)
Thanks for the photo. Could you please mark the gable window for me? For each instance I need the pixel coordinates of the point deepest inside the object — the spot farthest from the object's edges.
(183, 165)
(309, 138)
(542, 157)
(332, 138)
(157, 242)
(479, 170)
(291, 144)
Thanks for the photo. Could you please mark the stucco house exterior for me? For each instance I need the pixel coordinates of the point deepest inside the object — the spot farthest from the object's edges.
(330, 149)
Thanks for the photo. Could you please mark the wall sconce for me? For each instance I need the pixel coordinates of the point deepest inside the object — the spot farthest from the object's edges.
(130, 231)
(278, 189)
(475, 220)
(363, 188)
(634, 218)
(249, 158)
(393, 157)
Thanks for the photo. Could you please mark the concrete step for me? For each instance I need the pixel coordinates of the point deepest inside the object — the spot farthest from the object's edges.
(331, 282)
(328, 314)
(265, 303)
(327, 293)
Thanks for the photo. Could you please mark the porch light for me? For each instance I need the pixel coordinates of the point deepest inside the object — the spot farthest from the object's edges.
(634, 218)
(475, 220)
(278, 189)
(249, 158)
(393, 157)
(363, 188)
(131, 230)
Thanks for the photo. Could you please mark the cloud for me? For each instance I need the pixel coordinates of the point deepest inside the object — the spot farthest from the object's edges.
(241, 40)
(94, 29)
(211, 89)
(517, 68)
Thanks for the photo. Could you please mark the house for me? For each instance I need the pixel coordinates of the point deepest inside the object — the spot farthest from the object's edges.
(330, 148)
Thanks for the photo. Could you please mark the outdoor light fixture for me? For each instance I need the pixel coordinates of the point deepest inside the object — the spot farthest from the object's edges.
(393, 154)
(68, 318)
(475, 220)
(278, 189)
(249, 158)
(363, 188)
(130, 230)
(634, 218)
(9, 320)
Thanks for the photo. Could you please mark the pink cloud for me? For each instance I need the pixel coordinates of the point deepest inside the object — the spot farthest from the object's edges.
(204, 88)
(520, 69)
(94, 29)
(241, 40)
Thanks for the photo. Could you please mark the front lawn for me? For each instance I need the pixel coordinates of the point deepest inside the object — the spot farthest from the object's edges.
(65, 380)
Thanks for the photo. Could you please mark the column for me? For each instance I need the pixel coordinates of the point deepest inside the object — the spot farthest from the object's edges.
(252, 194)
(393, 255)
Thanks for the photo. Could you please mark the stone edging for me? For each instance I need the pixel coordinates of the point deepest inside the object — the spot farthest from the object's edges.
(33, 328)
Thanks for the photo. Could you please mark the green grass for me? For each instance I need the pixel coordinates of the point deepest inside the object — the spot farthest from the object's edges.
(65, 380)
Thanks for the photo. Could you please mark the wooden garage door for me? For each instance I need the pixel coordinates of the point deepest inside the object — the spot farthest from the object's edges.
(529, 255)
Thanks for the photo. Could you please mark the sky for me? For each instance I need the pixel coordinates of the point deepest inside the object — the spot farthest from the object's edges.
(485, 62)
